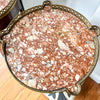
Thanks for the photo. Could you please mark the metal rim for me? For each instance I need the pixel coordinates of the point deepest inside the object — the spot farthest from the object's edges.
(78, 15)
(7, 9)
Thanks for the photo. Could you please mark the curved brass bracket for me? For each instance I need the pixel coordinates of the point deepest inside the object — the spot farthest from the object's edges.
(96, 29)
(46, 3)
(77, 90)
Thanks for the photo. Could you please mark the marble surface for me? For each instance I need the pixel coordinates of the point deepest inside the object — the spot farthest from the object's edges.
(89, 8)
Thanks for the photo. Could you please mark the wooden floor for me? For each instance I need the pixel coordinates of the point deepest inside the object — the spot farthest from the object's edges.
(10, 89)
(90, 91)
